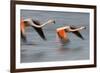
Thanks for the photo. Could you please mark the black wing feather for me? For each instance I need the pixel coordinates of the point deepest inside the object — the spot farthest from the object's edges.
(23, 37)
(77, 33)
(39, 30)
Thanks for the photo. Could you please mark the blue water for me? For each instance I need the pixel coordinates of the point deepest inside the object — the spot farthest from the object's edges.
(38, 50)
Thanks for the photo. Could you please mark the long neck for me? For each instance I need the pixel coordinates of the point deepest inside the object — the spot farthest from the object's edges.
(77, 29)
(39, 26)
(48, 22)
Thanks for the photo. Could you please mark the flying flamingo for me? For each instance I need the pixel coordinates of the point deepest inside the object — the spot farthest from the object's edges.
(62, 33)
(36, 25)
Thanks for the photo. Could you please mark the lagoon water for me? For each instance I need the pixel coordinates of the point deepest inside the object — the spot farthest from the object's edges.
(38, 50)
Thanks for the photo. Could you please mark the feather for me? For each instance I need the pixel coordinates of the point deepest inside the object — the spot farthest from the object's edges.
(77, 33)
(39, 30)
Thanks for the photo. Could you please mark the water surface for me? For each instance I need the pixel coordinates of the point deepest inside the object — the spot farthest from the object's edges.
(38, 50)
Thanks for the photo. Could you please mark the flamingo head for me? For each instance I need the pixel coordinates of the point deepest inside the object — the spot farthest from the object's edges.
(52, 21)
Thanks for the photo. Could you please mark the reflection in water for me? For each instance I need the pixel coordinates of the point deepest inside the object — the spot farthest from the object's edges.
(32, 57)
(63, 49)
(28, 43)
(39, 55)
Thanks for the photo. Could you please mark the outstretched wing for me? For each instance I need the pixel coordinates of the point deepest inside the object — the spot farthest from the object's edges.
(39, 30)
(77, 33)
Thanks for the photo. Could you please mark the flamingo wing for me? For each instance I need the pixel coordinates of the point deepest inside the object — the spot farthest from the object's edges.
(77, 33)
(39, 30)
(22, 27)
(23, 36)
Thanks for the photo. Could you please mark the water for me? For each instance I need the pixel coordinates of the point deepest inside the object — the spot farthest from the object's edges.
(38, 50)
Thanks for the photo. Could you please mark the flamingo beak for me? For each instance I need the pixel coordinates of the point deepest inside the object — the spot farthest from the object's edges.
(84, 27)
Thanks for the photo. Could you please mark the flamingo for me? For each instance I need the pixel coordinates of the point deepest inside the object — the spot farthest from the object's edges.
(36, 25)
(62, 33)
